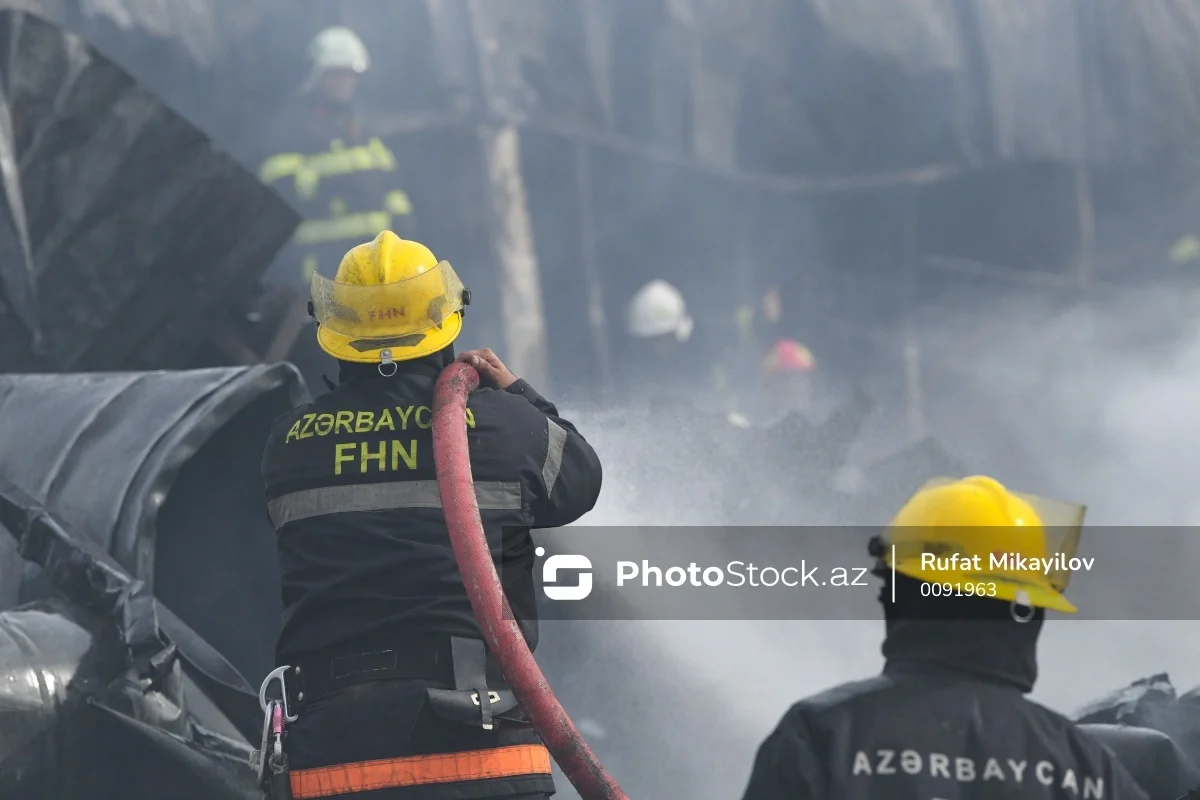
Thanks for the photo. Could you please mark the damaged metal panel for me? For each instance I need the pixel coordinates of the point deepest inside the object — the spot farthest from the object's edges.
(124, 231)
(132, 462)
(49, 643)
(96, 680)
(195, 24)
(103, 450)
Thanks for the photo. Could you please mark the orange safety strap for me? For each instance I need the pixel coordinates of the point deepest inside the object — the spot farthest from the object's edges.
(389, 773)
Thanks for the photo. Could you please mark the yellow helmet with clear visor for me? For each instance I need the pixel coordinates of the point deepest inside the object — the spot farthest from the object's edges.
(391, 300)
(975, 530)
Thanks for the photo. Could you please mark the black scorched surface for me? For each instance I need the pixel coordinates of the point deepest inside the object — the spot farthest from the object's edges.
(124, 233)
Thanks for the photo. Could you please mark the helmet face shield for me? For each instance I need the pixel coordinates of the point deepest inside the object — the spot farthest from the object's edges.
(1029, 559)
(1062, 526)
(397, 314)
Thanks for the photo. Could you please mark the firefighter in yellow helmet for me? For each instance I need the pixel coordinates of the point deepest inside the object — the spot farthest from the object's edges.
(947, 717)
(380, 650)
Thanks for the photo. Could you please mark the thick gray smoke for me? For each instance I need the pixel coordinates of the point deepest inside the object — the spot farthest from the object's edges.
(1093, 404)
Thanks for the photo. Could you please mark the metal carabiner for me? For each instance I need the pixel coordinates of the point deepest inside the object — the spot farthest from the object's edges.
(276, 674)
(258, 759)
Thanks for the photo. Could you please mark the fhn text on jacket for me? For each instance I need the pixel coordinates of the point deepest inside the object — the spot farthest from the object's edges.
(385, 668)
(947, 718)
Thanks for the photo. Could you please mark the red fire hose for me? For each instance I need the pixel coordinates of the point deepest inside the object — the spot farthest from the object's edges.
(452, 462)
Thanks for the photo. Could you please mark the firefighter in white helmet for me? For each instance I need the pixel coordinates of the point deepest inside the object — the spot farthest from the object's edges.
(658, 316)
(338, 57)
(343, 179)
(658, 313)
(659, 328)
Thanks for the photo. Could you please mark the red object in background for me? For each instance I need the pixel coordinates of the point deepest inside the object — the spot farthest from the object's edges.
(788, 355)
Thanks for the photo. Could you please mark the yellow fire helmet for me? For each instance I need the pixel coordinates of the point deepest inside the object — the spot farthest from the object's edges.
(391, 300)
(975, 531)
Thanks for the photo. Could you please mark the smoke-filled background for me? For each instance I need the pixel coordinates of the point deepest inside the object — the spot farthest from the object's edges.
(980, 213)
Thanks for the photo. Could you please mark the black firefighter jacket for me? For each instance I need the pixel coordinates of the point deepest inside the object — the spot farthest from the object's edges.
(945, 721)
(363, 546)
(342, 178)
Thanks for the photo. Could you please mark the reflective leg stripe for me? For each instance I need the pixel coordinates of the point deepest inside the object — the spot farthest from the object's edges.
(473, 765)
(491, 496)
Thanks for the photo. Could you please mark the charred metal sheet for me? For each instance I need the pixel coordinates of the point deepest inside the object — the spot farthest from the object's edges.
(160, 471)
(1154, 730)
(72, 726)
(1154, 759)
(1128, 704)
(151, 762)
(49, 654)
(101, 450)
(152, 640)
(123, 231)
(195, 24)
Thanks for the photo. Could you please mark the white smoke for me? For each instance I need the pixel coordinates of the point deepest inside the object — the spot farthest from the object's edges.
(1095, 401)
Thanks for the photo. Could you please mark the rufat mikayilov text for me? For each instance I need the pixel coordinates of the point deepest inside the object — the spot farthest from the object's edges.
(737, 574)
(1008, 562)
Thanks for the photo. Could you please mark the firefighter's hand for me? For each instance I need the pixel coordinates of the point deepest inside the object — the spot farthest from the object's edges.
(491, 369)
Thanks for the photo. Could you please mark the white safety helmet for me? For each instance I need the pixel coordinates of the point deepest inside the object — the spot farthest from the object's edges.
(658, 309)
(336, 48)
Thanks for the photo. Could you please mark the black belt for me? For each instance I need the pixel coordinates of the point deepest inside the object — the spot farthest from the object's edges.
(429, 660)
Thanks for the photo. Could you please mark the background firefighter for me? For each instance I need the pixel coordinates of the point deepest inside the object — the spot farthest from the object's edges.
(666, 356)
(657, 319)
(784, 389)
(377, 623)
(948, 709)
(334, 170)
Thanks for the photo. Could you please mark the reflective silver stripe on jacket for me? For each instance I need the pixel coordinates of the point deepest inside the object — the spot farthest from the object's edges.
(491, 496)
(554, 454)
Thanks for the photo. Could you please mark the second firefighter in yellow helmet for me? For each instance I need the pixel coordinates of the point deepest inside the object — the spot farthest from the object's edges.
(947, 716)
(391, 300)
(974, 531)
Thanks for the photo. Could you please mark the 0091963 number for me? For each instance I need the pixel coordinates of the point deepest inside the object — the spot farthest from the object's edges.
(981, 589)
